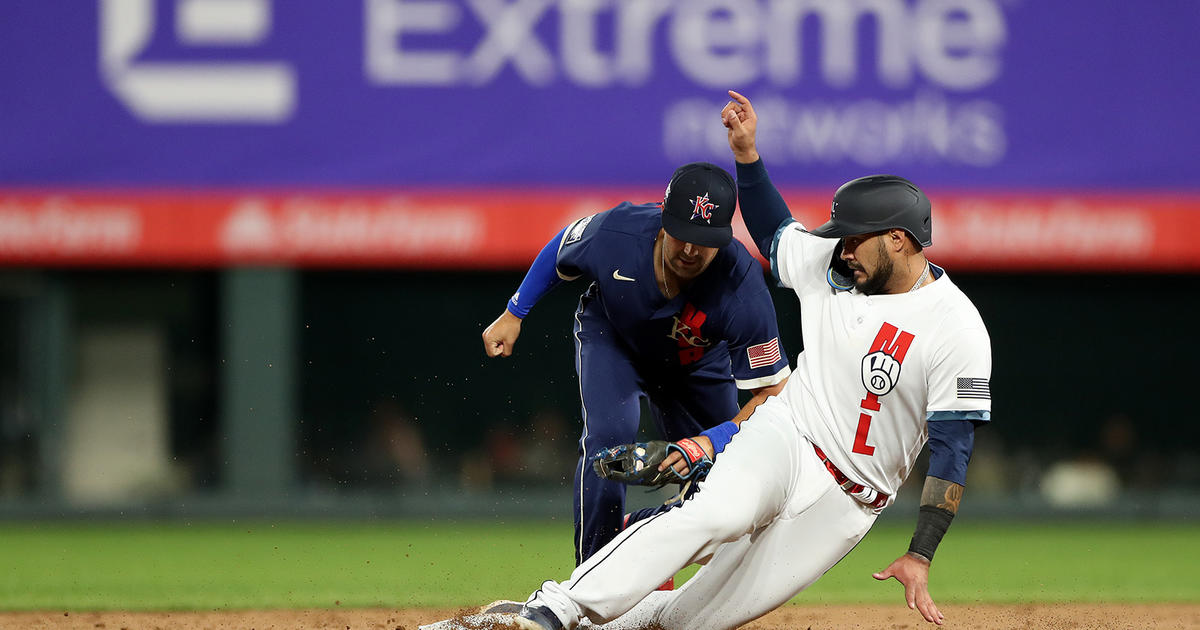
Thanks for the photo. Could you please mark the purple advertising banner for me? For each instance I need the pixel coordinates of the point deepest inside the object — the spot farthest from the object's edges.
(990, 95)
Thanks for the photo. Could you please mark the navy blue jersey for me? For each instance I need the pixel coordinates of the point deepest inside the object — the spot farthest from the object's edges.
(724, 320)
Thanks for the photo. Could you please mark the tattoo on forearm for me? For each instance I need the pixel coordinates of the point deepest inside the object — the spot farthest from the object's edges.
(952, 498)
(942, 494)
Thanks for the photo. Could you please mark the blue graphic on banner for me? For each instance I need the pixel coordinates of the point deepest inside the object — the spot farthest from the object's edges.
(995, 94)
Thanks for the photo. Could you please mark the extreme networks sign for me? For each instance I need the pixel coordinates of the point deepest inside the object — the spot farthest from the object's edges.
(571, 92)
(944, 46)
(261, 100)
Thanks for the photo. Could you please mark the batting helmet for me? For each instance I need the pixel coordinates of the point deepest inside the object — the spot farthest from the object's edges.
(879, 202)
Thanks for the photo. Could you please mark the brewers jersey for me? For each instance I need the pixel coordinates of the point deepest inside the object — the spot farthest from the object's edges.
(867, 385)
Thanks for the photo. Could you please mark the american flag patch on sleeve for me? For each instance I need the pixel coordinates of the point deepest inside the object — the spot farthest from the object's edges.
(974, 388)
(763, 354)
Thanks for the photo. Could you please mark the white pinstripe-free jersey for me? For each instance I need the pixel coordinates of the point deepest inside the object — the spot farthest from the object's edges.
(876, 368)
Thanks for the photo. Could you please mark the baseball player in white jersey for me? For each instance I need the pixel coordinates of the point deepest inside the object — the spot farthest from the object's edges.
(895, 355)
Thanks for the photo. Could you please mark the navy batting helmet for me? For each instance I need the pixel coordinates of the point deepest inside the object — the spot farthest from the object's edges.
(879, 202)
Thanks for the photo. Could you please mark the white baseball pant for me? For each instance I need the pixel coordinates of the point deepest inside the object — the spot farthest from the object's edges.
(769, 519)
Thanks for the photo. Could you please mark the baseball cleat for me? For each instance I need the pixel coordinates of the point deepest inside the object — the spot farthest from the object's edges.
(504, 606)
(537, 618)
(501, 613)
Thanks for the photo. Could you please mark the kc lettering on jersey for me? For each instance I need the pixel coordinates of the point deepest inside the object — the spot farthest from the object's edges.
(686, 333)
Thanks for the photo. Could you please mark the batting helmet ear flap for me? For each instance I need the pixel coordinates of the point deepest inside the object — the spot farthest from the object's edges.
(840, 276)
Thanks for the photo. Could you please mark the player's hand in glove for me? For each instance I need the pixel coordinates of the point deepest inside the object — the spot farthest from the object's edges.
(646, 463)
(682, 463)
(913, 572)
(499, 338)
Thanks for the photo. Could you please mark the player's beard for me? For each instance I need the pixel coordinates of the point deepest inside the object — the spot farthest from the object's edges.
(875, 282)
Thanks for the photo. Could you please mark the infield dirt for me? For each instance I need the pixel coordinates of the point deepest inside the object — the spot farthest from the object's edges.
(965, 617)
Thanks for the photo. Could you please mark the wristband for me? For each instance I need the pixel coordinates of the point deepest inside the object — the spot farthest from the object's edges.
(720, 435)
(932, 524)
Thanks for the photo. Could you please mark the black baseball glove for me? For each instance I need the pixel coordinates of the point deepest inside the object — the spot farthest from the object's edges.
(637, 464)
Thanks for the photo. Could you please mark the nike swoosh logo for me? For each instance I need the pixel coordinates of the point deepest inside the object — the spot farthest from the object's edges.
(617, 276)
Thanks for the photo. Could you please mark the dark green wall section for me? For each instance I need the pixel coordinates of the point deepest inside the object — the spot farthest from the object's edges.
(258, 377)
(296, 379)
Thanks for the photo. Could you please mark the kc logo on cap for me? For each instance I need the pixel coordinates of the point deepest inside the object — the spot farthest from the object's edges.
(699, 204)
(702, 208)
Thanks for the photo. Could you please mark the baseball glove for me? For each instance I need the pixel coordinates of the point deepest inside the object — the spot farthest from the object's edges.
(637, 464)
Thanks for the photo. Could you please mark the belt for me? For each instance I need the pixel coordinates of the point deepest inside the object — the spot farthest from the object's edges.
(863, 494)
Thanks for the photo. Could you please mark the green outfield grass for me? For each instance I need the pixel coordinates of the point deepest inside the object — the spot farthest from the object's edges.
(445, 564)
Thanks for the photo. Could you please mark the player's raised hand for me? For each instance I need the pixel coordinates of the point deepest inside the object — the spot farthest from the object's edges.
(913, 573)
(741, 123)
(499, 338)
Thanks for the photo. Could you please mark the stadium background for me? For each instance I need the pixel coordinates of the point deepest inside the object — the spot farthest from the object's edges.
(247, 247)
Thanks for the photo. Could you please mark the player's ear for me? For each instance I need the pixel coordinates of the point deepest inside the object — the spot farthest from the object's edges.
(897, 239)
(890, 240)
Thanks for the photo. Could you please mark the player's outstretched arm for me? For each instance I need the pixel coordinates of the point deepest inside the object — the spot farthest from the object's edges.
(939, 503)
(499, 337)
(950, 445)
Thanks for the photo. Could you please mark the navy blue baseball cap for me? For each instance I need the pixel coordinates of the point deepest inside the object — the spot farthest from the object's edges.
(698, 205)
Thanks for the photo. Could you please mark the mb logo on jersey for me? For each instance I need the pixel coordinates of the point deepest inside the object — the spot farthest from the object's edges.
(880, 371)
(702, 208)
(881, 366)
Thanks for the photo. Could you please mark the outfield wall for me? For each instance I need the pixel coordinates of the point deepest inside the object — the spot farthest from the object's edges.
(178, 392)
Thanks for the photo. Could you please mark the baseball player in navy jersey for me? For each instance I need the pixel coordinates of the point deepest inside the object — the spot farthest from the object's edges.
(676, 312)
(895, 356)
